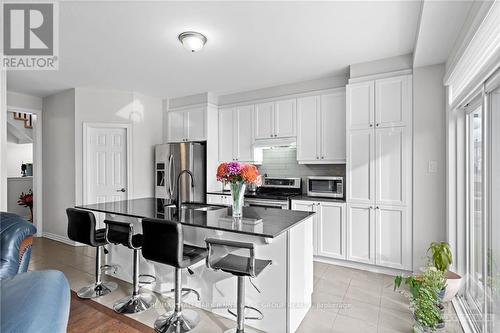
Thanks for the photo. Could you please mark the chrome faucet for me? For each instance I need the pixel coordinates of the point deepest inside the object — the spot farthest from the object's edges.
(179, 204)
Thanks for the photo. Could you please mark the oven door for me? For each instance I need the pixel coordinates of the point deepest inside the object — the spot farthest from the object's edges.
(280, 204)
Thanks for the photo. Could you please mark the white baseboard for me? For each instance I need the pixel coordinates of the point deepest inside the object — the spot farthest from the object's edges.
(361, 266)
(61, 239)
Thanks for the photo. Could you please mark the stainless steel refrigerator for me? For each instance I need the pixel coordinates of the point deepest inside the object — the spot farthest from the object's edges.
(170, 160)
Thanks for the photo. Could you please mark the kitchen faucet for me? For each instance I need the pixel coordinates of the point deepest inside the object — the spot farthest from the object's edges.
(179, 204)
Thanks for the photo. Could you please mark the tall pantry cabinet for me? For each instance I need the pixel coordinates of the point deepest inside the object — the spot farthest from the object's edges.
(379, 172)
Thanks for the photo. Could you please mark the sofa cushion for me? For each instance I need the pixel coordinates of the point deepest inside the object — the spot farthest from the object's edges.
(14, 254)
(35, 302)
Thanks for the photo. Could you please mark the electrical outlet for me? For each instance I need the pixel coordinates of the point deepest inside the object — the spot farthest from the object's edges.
(433, 167)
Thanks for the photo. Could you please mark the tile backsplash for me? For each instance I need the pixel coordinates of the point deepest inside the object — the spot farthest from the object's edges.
(282, 162)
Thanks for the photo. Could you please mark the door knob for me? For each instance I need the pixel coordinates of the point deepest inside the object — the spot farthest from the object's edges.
(121, 190)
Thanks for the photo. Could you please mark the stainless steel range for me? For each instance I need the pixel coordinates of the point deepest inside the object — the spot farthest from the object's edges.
(275, 192)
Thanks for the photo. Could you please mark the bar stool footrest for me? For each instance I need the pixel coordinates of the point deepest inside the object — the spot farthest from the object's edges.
(147, 276)
(259, 316)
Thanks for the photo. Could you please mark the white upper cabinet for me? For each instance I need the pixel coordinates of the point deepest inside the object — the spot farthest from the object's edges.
(333, 138)
(275, 119)
(392, 158)
(360, 105)
(235, 134)
(321, 128)
(226, 134)
(176, 128)
(244, 134)
(379, 103)
(196, 124)
(285, 118)
(308, 134)
(392, 101)
(187, 125)
(264, 120)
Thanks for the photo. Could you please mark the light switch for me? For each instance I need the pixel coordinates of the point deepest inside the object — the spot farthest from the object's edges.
(433, 167)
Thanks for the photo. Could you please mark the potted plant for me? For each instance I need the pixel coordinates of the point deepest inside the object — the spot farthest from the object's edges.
(26, 200)
(441, 257)
(238, 176)
(424, 298)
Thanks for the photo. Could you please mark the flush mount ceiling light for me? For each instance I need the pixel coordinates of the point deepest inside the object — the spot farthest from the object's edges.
(192, 41)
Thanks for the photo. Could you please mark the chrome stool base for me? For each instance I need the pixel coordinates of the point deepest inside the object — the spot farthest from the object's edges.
(135, 303)
(235, 330)
(97, 290)
(177, 322)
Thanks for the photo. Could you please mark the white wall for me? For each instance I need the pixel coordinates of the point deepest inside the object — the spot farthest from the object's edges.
(146, 116)
(283, 90)
(385, 65)
(24, 101)
(18, 154)
(58, 123)
(429, 191)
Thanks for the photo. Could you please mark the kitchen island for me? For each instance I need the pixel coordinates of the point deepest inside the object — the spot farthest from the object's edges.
(283, 236)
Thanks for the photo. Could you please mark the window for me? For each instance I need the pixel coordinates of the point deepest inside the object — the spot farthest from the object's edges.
(481, 294)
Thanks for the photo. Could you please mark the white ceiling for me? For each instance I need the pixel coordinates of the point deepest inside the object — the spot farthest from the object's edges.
(440, 26)
(133, 45)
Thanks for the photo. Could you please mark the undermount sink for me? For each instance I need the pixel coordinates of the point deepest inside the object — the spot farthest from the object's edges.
(196, 206)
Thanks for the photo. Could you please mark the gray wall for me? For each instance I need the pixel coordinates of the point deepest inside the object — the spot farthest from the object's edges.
(429, 196)
(58, 140)
(283, 162)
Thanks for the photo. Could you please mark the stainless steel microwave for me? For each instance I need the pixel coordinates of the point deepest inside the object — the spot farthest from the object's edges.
(325, 186)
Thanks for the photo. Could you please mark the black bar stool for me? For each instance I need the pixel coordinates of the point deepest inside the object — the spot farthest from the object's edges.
(241, 267)
(164, 243)
(123, 233)
(82, 229)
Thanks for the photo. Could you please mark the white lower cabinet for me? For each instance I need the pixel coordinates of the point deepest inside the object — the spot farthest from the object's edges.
(328, 228)
(392, 237)
(379, 235)
(360, 233)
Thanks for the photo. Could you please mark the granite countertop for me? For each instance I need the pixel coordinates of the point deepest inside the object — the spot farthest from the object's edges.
(274, 221)
(308, 198)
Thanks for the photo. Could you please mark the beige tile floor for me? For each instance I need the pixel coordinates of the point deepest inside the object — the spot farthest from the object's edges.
(344, 299)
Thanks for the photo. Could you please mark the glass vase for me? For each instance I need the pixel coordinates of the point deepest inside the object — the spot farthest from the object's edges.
(237, 196)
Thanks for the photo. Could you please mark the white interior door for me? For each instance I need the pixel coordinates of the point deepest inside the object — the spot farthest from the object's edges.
(106, 164)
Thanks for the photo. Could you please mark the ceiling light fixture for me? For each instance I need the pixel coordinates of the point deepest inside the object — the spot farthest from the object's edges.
(192, 41)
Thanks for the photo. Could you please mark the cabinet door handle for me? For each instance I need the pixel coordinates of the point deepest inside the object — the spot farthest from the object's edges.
(322, 157)
(378, 125)
(371, 207)
(371, 125)
(317, 157)
(377, 207)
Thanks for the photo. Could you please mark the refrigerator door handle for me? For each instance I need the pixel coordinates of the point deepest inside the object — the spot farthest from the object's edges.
(170, 180)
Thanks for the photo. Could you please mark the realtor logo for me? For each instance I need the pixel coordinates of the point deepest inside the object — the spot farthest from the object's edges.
(30, 34)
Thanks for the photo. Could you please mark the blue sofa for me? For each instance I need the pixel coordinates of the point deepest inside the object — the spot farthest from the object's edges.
(30, 301)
